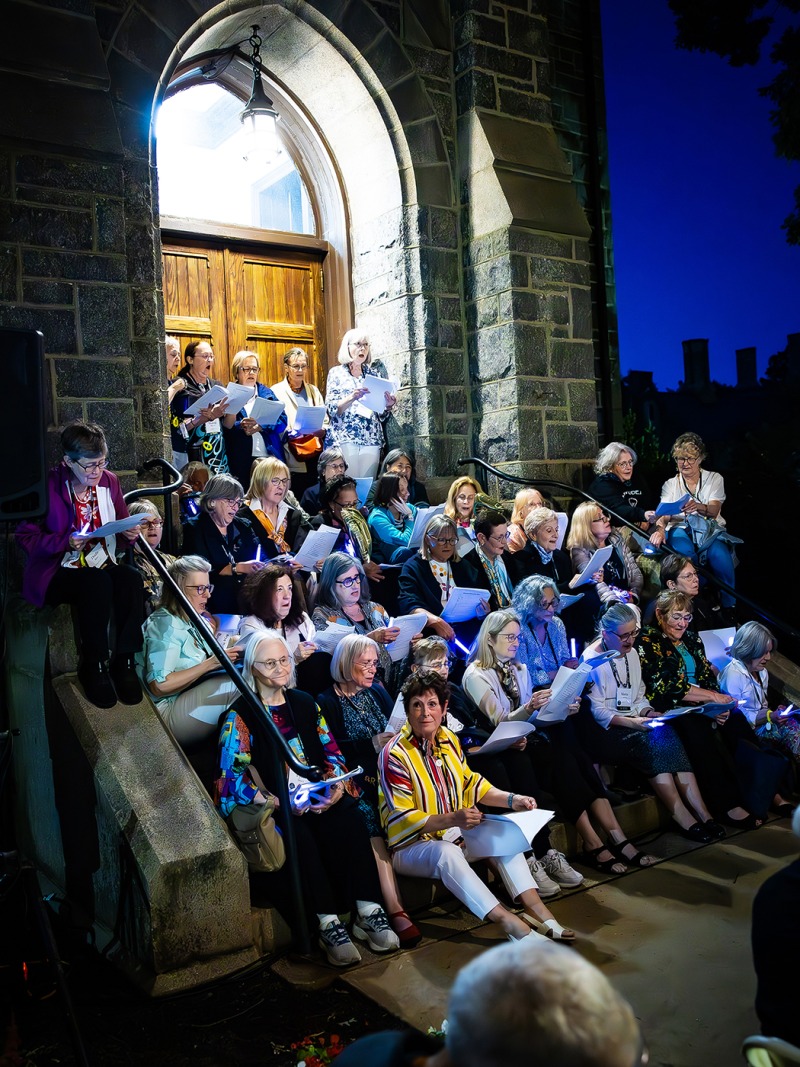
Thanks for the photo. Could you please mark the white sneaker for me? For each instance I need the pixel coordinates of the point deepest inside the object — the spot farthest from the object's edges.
(376, 931)
(337, 946)
(555, 863)
(544, 883)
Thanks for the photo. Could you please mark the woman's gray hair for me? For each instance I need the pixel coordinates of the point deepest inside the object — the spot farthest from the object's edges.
(220, 487)
(343, 355)
(328, 455)
(428, 649)
(433, 528)
(616, 615)
(251, 651)
(537, 517)
(608, 457)
(484, 653)
(143, 506)
(346, 653)
(332, 569)
(529, 594)
(179, 570)
(752, 641)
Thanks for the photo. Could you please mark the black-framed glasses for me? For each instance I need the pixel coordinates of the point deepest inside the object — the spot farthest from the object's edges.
(279, 482)
(348, 583)
(444, 540)
(93, 466)
(547, 604)
(235, 504)
(201, 590)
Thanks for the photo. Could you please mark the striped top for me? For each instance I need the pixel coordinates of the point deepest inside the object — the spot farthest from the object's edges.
(419, 779)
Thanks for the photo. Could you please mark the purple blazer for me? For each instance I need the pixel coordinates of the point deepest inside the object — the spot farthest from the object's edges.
(46, 540)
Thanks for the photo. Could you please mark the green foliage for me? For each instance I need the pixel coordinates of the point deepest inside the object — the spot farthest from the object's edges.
(646, 444)
(734, 30)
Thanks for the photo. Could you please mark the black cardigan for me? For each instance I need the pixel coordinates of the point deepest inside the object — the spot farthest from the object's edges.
(297, 529)
(419, 588)
(201, 537)
(527, 561)
(359, 751)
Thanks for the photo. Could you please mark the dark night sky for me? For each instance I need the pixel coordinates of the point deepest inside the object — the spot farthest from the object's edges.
(698, 197)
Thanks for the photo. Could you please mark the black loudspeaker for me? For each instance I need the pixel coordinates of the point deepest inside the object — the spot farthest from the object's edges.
(23, 493)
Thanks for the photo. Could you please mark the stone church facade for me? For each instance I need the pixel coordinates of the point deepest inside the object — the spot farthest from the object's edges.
(468, 142)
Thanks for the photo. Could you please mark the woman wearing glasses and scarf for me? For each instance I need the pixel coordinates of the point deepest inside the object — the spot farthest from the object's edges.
(225, 540)
(676, 673)
(67, 565)
(279, 526)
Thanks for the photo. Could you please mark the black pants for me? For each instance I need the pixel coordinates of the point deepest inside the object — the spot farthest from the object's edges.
(337, 867)
(711, 759)
(512, 771)
(566, 769)
(98, 595)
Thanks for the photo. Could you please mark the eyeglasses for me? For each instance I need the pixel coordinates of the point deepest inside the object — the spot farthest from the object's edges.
(93, 467)
(201, 590)
(437, 665)
(338, 467)
(366, 665)
(250, 370)
(677, 617)
(235, 504)
(279, 482)
(272, 664)
(547, 604)
(153, 524)
(685, 460)
(348, 583)
(443, 540)
(298, 366)
(602, 517)
(625, 463)
(499, 539)
(511, 638)
(359, 344)
(631, 635)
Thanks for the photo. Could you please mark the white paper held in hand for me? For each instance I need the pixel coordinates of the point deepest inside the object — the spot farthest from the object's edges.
(421, 520)
(410, 626)
(567, 686)
(716, 644)
(309, 419)
(213, 396)
(318, 545)
(109, 529)
(375, 399)
(397, 719)
(266, 412)
(326, 640)
(464, 604)
(504, 735)
(239, 395)
(596, 563)
(505, 835)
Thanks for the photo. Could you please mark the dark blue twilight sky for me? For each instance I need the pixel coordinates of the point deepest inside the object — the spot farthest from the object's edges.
(697, 197)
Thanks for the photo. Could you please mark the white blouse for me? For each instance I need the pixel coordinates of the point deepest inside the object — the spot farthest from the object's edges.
(711, 486)
(603, 693)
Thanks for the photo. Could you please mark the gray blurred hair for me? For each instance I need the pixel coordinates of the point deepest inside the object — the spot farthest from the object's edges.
(343, 355)
(529, 594)
(608, 457)
(258, 637)
(346, 653)
(220, 487)
(537, 517)
(616, 615)
(179, 571)
(434, 527)
(533, 1002)
(751, 642)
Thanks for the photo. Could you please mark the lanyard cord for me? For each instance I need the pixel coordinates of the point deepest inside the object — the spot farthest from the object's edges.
(611, 664)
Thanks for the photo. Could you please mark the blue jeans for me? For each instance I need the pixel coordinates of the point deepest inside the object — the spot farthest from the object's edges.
(719, 560)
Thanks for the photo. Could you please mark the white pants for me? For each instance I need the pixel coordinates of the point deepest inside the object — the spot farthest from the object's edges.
(362, 460)
(193, 715)
(447, 862)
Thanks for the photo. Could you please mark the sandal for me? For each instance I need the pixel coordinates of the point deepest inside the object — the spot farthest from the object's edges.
(591, 857)
(411, 935)
(551, 928)
(638, 859)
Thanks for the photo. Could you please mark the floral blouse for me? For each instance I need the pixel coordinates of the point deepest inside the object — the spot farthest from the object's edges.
(664, 671)
(351, 427)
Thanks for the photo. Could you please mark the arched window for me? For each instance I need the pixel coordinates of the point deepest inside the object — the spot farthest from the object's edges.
(205, 171)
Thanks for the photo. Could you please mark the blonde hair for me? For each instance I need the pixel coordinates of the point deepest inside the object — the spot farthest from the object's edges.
(580, 528)
(265, 470)
(522, 501)
(484, 653)
(239, 359)
(454, 490)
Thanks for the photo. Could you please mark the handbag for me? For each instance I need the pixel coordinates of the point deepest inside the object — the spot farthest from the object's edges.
(304, 448)
(256, 833)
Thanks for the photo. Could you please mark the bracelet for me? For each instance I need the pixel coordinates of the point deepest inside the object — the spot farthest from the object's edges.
(511, 800)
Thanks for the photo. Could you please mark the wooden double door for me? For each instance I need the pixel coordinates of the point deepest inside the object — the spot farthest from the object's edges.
(246, 297)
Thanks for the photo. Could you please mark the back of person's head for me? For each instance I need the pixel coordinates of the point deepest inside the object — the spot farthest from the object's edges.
(387, 489)
(142, 506)
(534, 1003)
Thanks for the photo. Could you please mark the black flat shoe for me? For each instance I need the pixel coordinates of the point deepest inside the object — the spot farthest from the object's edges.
(97, 684)
(126, 680)
(783, 811)
(591, 858)
(749, 823)
(696, 832)
(715, 828)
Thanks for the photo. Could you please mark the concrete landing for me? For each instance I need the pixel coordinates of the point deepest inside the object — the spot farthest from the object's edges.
(674, 939)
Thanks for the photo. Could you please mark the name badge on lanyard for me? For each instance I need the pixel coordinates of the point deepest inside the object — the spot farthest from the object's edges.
(624, 698)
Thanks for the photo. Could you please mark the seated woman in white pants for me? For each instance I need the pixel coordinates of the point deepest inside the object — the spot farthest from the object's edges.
(428, 797)
(175, 660)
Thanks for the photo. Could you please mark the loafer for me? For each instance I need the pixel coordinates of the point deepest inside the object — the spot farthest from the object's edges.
(97, 685)
(696, 832)
(715, 828)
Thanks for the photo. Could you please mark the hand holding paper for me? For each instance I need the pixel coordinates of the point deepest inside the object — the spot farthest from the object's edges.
(671, 507)
(596, 563)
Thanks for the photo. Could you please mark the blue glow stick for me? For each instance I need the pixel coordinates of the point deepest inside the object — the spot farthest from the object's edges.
(458, 644)
(258, 554)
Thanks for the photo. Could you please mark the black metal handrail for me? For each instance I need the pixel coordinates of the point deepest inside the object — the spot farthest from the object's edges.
(172, 481)
(573, 490)
(279, 751)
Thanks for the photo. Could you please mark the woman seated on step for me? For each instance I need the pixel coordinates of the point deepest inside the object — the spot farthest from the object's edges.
(175, 661)
(336, 863)
(429, 799)
(621, 728)
(566, 768)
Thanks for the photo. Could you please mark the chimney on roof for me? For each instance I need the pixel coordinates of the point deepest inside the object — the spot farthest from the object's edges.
(793, 358)
(695, 364)
(746, 376)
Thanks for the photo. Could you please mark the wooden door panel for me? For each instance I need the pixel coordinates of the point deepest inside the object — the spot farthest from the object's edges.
(264, 301)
